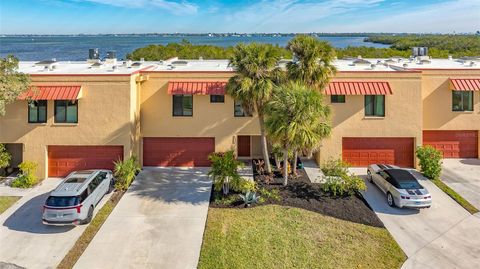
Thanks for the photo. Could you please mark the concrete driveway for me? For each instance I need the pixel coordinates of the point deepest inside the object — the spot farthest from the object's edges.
(443, 236)
(24, 240)
(159, 222)
(463, 175)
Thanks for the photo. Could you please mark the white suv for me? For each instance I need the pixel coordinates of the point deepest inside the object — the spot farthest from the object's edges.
(74, 200)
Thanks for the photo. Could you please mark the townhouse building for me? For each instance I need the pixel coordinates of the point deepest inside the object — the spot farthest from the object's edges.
(80, 115)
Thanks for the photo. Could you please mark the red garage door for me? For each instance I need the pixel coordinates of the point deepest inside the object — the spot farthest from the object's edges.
(363, 151)
(453, 144)
(64, 159)
(184, 151)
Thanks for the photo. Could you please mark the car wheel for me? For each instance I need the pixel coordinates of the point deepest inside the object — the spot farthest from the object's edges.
(390, 200)
(89, 216)
(110, 187)
(369, 176)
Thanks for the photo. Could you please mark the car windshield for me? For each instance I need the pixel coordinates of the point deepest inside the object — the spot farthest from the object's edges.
(62, 201)
(410, 185)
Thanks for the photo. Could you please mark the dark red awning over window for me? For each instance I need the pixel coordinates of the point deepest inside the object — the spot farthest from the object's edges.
(52, 93)
(197, 87)
(465, 84)
(358, 88)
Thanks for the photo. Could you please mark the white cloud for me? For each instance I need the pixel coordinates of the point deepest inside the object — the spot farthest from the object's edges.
(458, 15)
(358, 15)
(287, 15)
(182, 7)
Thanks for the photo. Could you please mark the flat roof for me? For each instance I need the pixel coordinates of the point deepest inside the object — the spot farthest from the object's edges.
(199, 65)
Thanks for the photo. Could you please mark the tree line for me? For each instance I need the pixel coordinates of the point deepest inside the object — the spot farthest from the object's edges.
(440, 46)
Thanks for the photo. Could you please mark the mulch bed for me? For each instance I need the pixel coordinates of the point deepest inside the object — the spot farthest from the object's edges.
(301, 193)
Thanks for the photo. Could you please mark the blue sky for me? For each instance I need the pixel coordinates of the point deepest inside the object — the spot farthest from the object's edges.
(192, 16)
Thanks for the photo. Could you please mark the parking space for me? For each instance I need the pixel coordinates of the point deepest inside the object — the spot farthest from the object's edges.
(463, 176)
(159, 222)
(443, 236)
(26, 241)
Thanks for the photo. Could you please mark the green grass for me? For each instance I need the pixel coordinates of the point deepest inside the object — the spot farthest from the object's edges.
(274, 236)
(82, 243)
(7, 201)
(455, 196)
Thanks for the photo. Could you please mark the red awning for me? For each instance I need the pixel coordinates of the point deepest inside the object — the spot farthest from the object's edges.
(358, 88)
(52, 93)
(465, 84)
(197, 87)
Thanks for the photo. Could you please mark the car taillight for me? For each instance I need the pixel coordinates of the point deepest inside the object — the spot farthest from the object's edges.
(78, 207)
(405, 197)
(43, 209)
(428, 197)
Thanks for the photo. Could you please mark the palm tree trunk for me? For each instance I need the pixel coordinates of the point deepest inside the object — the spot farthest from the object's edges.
(263, 143)
(285, 167)
(294, 168)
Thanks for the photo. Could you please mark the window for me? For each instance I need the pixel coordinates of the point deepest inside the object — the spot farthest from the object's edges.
(37, 111)
(462, 101)
(66, 111)
(375, 105)
(238, 110)
(217, 98)
(183, 105)
(337, 98)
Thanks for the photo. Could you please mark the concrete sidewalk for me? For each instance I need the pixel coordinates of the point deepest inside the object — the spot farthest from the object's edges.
(159, 222)
(443, 236)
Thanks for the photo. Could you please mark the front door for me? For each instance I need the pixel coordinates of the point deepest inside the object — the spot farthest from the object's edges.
(243, 146)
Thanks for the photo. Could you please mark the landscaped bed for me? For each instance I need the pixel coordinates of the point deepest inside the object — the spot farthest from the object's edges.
(301, 193)
(275, 236)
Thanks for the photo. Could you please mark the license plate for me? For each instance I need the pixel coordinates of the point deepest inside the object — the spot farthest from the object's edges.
(417, 203)
(59, 215)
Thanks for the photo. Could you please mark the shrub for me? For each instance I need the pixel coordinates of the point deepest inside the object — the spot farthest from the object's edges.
(224, 170)
(339, 181)
(273, 194)
(5, 157)
(250, 198)
(335, 168)
(125, 172)
(430, 161)
(225, 200)
(27, 177)
(243, 185)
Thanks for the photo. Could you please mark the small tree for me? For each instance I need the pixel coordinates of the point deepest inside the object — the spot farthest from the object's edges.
(5, 157)
(224, 170)
(430, 161)
(12, 82)
(296, 119)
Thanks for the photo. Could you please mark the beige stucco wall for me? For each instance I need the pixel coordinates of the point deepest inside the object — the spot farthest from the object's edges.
(208, 120)
(437, 102)
(104, 118)
(403, 112)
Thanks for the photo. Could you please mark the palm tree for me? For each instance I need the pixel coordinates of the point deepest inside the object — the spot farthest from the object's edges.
(257, 74)
(313, 61)
(313, 65)
(296, 119)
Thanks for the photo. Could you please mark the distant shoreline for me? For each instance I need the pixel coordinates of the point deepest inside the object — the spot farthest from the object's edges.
(366, 34)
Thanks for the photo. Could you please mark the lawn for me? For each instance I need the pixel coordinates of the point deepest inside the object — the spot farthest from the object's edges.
(274, 236)
(7, 201)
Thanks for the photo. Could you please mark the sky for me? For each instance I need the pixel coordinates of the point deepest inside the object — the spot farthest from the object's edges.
(248, 16)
